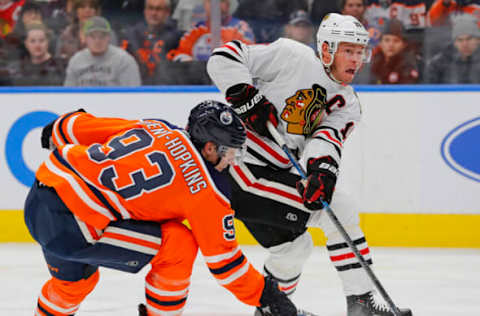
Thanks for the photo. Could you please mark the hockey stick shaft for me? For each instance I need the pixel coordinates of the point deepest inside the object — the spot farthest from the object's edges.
(281, 142)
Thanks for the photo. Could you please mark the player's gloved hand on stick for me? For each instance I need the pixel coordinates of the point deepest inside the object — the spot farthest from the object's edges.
(275, 302)
(253, 108)
(320, 184)
(46, 138)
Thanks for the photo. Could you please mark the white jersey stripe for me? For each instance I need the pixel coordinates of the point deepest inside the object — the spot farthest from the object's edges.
(78, 189)
(159, 292)
(113, 198)
(235, 275)
(269, 189)
(134, 234)
(55, 133)
(69, 128)
(221, 257)
(165, 313)
(128, 245)
(85, 231)
(57, 308)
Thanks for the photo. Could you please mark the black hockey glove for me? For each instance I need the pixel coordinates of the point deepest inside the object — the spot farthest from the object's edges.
(253, 108)
(46, 139)
(275, 302)
(320, 184)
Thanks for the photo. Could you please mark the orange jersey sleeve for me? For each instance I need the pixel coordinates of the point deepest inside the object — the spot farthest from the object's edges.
(213, 227)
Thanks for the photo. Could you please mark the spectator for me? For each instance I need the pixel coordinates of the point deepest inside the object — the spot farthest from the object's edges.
(267, 17)
(30, 13)
(377, 14)
(38, 68)
(56, 13)
(412, 14)
(4, 73)
(101, 64)
(9, 11)
(300, 28)
(357, 8)
(123, 13)
(460, 61)
(188, 13)
(442, 11)
(150, 40)
(393, 60)
(227, 20)
(196, 44)
(72, 39)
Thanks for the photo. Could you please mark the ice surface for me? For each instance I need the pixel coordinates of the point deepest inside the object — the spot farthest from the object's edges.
(432, 282)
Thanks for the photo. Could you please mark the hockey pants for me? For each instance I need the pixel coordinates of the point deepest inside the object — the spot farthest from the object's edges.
(74, 250)
(267, 202)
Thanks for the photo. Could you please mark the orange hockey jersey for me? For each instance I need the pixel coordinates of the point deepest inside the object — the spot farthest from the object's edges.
(108, 169)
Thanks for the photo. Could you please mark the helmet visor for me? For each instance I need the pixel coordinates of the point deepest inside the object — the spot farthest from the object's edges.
(231, 154)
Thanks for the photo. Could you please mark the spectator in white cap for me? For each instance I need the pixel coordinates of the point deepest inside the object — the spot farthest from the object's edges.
(101, 64)
(300, 28)
(459, 62)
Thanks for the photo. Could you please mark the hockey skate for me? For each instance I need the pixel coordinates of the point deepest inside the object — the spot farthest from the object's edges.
(266, 312)
(369, 305)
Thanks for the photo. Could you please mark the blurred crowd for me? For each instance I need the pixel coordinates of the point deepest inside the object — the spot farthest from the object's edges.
(167, 42)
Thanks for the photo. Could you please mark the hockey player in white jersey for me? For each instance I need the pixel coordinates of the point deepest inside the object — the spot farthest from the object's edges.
(308, 99)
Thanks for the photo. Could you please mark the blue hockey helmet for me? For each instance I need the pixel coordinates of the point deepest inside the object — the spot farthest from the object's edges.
(214, 121)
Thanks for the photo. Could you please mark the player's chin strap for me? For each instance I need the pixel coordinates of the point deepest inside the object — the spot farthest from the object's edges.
(281, 142)
(330, 75)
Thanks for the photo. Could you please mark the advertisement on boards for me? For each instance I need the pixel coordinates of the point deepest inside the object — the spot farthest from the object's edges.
(414, 152)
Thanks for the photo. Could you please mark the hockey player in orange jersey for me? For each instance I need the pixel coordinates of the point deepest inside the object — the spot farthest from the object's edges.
(114, 193)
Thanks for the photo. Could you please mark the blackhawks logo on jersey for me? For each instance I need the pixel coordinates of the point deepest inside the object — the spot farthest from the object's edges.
(304, 110)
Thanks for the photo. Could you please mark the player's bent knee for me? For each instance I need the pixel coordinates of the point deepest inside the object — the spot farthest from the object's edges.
(178, 245)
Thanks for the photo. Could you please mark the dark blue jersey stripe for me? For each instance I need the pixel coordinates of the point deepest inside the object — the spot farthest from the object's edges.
(94, 190)
(66, 141)
(165, 303)
(229, 266)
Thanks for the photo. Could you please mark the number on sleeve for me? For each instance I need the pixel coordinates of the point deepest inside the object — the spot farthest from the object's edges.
(228, 228)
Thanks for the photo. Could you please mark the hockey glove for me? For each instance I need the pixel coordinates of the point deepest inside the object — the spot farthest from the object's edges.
(275, 302)
(46, 138)
(320, 184)
(253, 108)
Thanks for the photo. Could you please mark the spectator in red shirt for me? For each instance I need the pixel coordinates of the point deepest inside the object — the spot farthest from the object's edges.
(394, 62)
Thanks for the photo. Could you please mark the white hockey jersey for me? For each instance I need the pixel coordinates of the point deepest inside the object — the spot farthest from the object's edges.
(292, 77)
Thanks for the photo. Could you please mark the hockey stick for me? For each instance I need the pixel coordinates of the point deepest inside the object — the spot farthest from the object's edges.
(281, 142)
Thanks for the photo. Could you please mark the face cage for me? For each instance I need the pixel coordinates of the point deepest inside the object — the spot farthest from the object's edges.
(239, 152)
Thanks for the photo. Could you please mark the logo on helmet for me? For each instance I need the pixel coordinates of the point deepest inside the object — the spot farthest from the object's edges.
(226, 118)
(304, 110)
